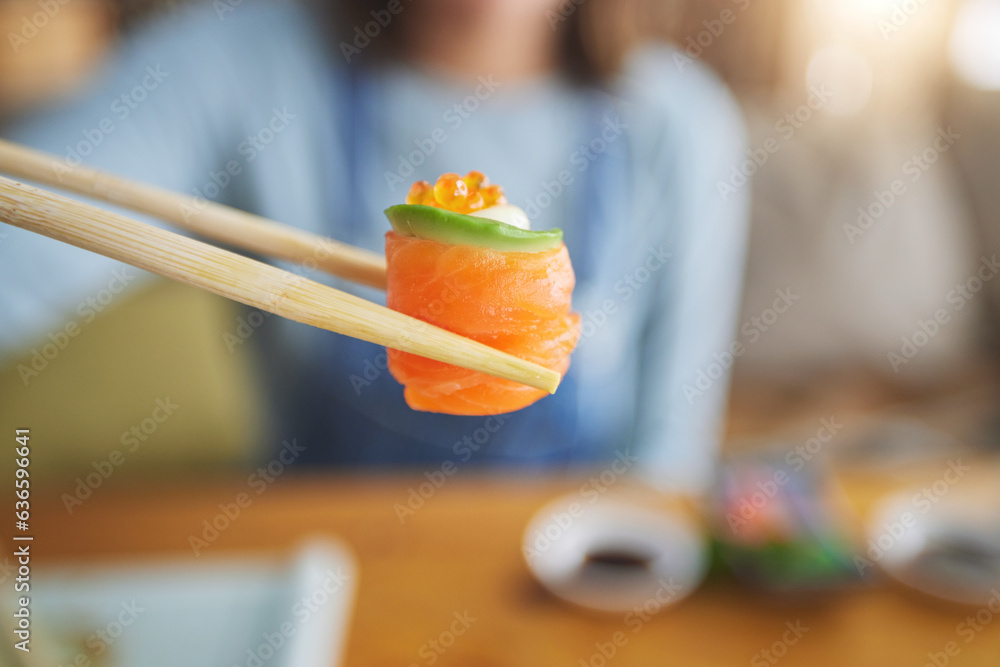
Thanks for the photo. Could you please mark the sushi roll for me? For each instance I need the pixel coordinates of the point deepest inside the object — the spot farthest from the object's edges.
(461, 258)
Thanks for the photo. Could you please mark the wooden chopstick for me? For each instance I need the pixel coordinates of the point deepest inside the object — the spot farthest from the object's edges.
(253, 283)
(209, 219)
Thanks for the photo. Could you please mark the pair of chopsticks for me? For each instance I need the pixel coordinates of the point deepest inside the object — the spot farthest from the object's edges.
(228, 274)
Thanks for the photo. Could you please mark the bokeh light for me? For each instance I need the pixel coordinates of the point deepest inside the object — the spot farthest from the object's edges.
(844, 71)
(975, 44)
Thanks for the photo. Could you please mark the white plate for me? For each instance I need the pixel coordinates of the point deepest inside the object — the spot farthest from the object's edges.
(209, 612)
(950, 550)
(614, 555)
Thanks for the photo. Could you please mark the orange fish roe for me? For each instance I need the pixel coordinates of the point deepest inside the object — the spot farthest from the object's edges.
(421, 192)
(461, 194)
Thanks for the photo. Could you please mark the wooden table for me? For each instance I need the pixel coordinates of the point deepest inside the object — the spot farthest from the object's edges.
(461, 553)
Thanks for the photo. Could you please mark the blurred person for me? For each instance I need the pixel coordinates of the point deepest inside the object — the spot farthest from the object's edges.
(321, 117)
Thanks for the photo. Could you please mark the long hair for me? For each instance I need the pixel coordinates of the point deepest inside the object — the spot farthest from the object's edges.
(595, 36)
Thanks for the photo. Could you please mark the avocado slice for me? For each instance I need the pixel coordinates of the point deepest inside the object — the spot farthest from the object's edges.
(437, 224)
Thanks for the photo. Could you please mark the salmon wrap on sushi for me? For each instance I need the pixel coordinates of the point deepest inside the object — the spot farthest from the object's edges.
(461, 258)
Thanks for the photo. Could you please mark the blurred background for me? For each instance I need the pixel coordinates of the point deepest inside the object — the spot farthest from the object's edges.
(903, 71)
(917, 99)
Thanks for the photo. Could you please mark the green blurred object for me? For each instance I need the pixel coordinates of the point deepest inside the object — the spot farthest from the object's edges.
(778, 528)
(149, 377)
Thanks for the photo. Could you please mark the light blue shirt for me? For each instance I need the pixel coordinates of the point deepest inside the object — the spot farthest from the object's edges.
(253, 107)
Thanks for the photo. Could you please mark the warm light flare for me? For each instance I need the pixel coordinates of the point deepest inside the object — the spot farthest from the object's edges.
(845, 72)
(975, 44)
